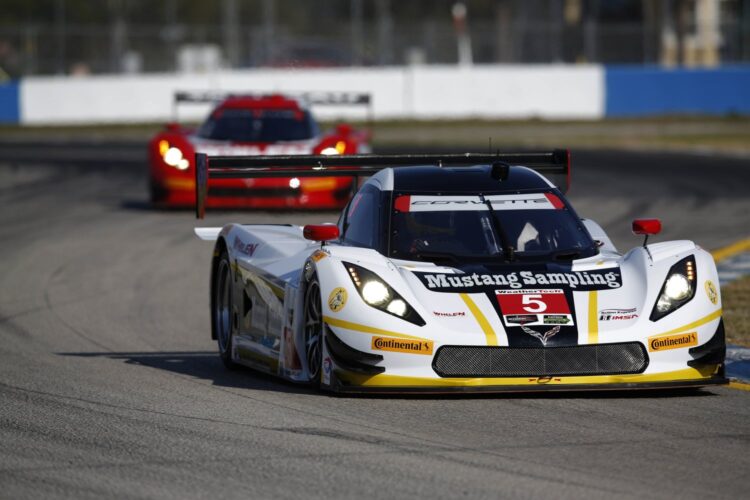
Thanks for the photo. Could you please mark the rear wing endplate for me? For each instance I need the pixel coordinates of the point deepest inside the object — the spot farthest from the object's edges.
(554, 165)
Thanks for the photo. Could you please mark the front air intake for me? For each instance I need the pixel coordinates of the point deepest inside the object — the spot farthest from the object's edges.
(488, 361)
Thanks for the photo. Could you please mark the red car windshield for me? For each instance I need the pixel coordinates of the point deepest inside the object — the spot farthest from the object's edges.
(259, 125)
(533, 226)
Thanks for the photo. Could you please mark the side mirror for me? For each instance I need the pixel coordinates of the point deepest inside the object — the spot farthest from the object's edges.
(320, 232)
(646, 226)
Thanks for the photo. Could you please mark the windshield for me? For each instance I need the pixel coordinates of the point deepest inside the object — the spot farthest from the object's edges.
(259, 125)
(532, 226)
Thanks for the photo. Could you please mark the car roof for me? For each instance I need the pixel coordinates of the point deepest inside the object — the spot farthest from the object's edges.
(470, 179)
(272, 101)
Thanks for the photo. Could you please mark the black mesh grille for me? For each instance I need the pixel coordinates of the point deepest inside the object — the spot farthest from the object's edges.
(596, 359)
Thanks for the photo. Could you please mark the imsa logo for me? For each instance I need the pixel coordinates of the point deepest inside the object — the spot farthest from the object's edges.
(402, 345)
(672, 342)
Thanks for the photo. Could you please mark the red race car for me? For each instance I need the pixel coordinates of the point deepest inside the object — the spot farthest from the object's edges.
(243, 125)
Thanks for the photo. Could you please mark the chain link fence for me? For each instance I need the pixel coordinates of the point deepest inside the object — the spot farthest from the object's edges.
(36, 49)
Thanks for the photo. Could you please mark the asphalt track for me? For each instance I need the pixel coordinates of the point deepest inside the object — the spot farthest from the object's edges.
(109, 385)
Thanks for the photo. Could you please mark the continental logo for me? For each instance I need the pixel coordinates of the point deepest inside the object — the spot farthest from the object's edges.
(337, 299)
(402, 345)
(672, 342)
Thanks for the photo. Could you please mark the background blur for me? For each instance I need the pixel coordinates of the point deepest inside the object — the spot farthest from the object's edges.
(78, 37)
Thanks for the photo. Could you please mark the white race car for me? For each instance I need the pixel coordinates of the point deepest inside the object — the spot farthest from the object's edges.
(457, 272)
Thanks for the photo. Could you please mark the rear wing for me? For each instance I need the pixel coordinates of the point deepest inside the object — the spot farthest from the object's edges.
(306, 98)
(554, 165)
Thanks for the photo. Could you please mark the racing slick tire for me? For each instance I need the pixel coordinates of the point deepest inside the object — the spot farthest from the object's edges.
(313, 331)
(223, 316)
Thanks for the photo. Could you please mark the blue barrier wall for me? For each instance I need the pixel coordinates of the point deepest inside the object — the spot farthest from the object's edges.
(9, 103)
(639, 91)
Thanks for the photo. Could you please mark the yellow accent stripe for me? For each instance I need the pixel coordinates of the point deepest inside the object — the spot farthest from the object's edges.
(739, 385)
(694, 324)
(731, 250)
(368, 329)
(483, 323)
(177, 183)
(385, 380)
(593, 317)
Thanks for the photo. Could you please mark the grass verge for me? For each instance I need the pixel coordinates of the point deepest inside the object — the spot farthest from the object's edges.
(735, 299)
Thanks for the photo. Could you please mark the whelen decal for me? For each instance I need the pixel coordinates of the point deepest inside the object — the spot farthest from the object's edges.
(545, 306)
(474, 283)
(672, 341)
(402, 345)
(533, 201)
(244, 248)
(449, 314)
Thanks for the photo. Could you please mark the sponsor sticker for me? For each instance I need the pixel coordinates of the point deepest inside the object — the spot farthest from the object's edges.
(337, 299)
(533, 201)
(402, 345)
(539, 306)
(521, 319)
(713, 295)
(473, 283)
(672, 341)
(244, 248)
(617, 314)
(555, 319)
(449, 314)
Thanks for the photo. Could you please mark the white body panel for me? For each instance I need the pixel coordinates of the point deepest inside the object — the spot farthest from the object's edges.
(269, 260)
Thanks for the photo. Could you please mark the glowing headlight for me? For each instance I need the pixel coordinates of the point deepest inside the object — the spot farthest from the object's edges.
(677, 287)
(173, 157)
(378, 294)
(294, 183)
(374, 293)
(397, 307)
(329, 151)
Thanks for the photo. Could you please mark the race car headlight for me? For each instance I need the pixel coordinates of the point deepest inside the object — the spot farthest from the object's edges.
(376, 293)
(677, 290)
(173, 156)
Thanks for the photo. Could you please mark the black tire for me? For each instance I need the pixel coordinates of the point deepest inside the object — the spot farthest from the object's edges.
(157, 193)
(313, 331)
(223, 314)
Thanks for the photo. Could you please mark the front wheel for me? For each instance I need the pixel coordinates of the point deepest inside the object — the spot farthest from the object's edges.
(313, 333)
(223, 311)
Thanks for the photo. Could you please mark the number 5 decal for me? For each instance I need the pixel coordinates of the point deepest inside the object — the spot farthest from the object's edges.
(533, 304)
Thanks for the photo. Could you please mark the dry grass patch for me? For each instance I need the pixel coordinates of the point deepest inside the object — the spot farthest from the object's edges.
(735, 299)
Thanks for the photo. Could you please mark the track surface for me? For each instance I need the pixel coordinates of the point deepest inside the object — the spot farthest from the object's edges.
(109, 385)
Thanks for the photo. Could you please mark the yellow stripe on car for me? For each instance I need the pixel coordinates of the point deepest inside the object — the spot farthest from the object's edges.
(695, 324)
(481, 319)
(593, 318)
(369, 329)
(385, 380)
